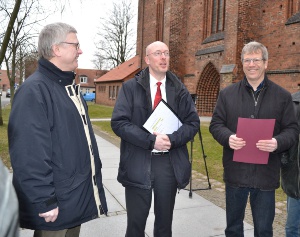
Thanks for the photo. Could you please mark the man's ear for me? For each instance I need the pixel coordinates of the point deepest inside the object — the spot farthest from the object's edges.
(266, 64)
(147, 60)
(56, 50)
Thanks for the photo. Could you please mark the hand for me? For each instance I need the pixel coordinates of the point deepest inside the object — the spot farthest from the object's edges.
(50, 216)
(236, 143)
(162, 142)
(267, 145)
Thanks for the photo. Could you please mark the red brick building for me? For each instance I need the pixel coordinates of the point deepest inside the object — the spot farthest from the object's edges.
(86, 78)
(205, 39)
(31, 64)
(4, 81)
(108, 86)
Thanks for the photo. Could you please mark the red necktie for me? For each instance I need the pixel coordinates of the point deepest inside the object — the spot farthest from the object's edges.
(158, 95)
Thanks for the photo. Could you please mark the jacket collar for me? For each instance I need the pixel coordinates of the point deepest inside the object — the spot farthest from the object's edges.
(63, 78)
(296, 96)
(265, 82)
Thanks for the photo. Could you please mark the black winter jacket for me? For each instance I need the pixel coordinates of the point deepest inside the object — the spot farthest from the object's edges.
(52, 148)
(131, 111)
(290, 160)
(236, 101)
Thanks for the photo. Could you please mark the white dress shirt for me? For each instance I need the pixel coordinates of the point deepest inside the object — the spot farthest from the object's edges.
(153, 89)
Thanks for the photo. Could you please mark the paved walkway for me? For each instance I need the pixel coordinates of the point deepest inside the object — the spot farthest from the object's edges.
(193, 216)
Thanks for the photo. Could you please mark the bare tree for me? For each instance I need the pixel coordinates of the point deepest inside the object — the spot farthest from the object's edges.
(5, 41)
(99, 61)
(9, 28)
(116, 38)
(13, 10)
(24, 34)
(14, 51)
(22, 41)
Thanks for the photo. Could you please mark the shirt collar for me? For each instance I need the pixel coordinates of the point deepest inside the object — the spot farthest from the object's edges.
(153, 81)
(260, 86)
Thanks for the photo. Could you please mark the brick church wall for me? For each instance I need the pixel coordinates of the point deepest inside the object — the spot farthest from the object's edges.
(207, 62)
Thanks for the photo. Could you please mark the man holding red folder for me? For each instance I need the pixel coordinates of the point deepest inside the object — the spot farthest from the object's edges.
(254, 97)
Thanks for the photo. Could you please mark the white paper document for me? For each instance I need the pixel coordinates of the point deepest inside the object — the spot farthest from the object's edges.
(162, 120)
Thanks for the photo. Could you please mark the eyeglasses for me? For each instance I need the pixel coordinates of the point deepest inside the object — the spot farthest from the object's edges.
(256, 61)
(159, 53)
(77, 45)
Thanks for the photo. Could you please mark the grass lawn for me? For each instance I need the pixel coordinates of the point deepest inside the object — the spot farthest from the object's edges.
(99, 111)
(4, 155)
(212, 149)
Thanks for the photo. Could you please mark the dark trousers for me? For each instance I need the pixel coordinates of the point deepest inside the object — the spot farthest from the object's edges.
(72, 232)
(262, 206)
(138, 201)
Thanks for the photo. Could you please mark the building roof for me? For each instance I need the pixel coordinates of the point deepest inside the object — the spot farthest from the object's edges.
(122, 71)
(91, 74)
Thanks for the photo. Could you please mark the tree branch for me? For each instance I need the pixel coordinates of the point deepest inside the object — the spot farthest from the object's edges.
(9, 30)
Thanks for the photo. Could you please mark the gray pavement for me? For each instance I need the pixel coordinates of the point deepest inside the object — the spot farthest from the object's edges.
(193, 216)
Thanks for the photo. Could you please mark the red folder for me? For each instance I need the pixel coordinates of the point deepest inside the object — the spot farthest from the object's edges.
(253, 130)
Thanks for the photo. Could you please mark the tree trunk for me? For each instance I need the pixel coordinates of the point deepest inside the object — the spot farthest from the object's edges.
(6, 40)
(9, 30)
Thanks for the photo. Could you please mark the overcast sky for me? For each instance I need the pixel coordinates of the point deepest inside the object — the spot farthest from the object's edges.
(84, 16)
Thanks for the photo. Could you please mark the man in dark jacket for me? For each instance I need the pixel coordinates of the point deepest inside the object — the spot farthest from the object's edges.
(53, 150)
(254, 97)
(290, 180)
(157, 162)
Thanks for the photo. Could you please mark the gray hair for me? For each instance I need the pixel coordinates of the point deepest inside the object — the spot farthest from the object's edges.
(255, 47)
(50, 35)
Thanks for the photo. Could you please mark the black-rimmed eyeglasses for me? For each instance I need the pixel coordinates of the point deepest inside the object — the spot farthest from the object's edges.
(77, 45)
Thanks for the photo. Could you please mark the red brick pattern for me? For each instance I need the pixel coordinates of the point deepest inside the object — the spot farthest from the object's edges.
(187, 30)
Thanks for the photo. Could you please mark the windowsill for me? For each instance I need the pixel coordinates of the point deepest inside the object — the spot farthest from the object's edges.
(214, 37)
(293, 19)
